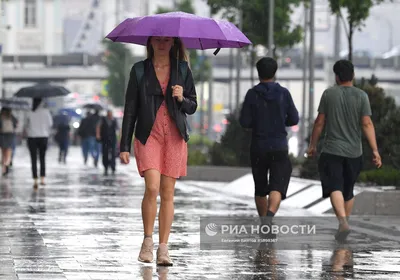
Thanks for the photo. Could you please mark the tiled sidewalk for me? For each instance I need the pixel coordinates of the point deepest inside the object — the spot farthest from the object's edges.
(83, 225)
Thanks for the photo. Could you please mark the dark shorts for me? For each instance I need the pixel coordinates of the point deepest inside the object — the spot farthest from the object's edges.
(275, 164)
(7, 140)
(338, 173)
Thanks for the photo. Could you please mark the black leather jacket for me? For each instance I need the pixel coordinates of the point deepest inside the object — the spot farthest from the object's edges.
(143, 100)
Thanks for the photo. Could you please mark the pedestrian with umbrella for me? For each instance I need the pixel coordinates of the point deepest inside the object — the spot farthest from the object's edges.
(38, 127)
(160, 143)
(39, 123)
(160, 94)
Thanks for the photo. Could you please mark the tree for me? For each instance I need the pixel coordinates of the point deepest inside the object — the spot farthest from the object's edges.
(357, 13)
(386, 119)
(255, 20)
(233, 150)
(118, 60)
(199, 65)
(183, 6)
(255, 23)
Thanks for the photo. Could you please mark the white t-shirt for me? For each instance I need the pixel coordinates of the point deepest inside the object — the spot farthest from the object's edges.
(7, 125)
(39, 123)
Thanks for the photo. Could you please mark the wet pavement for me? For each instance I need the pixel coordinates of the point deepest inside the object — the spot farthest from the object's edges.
(83, 225)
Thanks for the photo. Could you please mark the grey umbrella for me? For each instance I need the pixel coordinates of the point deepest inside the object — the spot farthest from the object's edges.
(42, 90)
(14, 104)
(94, 106)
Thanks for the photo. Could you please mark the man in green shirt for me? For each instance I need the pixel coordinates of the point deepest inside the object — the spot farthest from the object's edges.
(345, 113)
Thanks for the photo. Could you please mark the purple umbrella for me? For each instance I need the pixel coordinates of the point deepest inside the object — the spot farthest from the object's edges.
(195, 32)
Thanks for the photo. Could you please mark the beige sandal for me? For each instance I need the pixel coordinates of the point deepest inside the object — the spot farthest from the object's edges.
(163, 258)
(146, 252)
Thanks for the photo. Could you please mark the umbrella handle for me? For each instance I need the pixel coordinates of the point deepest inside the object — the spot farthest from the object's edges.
(177, 66)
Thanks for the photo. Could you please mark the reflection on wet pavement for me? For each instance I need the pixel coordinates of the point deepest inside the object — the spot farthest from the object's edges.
(82, 225)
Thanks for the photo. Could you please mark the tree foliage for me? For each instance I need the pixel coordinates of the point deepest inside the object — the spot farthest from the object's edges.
(199, 65)
(183, 6)
(357, 12)
(234, 147)
(255, 20)
(118, 60)
(386, 119)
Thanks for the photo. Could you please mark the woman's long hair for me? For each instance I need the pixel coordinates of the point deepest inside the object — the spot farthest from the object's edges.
(36, 103)
(178, 46)
(5, 112)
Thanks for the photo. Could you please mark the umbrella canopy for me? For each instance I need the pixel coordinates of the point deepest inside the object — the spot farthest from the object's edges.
(62, 118)
(42, 91)
(94, 106)
(195, 32)
(70, 112)
(14, 104)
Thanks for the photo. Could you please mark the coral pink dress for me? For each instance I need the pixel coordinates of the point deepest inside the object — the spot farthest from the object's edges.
(165, 149)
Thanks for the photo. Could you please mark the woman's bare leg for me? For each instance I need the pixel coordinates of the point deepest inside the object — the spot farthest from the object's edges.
(166, 214)
(149, 212)
(149, 202)
(165, 218)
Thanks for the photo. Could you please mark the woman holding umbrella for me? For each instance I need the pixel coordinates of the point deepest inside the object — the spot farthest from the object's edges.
(39, 124)
(160, 95)
(38, 128)
(159, 104)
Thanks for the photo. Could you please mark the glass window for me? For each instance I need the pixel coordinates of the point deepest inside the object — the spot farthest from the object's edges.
(30, 17)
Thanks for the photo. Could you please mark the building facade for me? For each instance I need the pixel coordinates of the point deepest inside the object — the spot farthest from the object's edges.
(33, 27)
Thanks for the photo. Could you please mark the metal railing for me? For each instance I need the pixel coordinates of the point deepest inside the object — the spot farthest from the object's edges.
(220, 61)
(73, 59)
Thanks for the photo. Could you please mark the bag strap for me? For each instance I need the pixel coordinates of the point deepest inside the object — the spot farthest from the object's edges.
(139, 70)
(184, 69)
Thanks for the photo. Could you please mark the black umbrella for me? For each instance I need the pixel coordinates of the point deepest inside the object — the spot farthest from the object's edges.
(14, 104)
(42, 91)
(94, 106)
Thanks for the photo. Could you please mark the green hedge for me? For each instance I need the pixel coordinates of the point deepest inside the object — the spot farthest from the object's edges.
(198, 147)
(196, 157)
(196, 140)
(385, 176)
(223, 156)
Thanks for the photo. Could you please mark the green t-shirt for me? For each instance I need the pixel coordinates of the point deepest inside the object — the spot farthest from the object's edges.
(344, 108)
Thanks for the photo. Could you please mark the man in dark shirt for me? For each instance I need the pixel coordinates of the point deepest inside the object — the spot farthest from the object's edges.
(268, 109)
(87, 132)
(106, 133)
